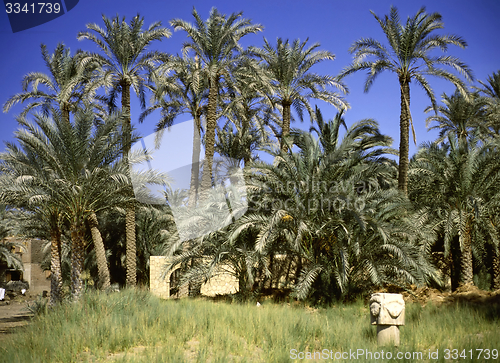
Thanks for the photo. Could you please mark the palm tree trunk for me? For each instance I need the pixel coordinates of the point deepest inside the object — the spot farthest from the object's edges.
(195, 163)
(193, 189)
(455, 257)
(466, 261)
(131, 255)
(404, 140)
(285, 129)
(245, 123)
(56, 281)
(495, 281)
(100, 253)
(77, 257)
(206, 180)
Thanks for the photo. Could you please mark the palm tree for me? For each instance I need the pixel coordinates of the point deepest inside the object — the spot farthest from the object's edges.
(125, 64)
(73, 168)
(65, 84)
(216, 43)
(183, 92)
(411, 55)
(68, 86)
(293, 83)
(452, 185)
(459, 117)
(246, 108)
(24, 175)
(328, 207)
(491, 88)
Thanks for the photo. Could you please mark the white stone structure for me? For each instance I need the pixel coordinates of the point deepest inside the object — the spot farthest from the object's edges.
(387, 311)
(223, 282)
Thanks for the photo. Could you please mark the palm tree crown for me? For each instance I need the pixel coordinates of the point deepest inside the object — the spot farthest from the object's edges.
(216, 43)
(64, 83)
(126, 59)
(293, 83)
(411, 55)
(459, 116)
(491, 88)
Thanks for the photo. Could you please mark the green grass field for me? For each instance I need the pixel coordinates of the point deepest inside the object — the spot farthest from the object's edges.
(134, 326)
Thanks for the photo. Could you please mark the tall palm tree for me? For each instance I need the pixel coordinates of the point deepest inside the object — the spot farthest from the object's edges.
(411, 55)
(293, 83)
(216, 43)
(185, 91)
(69, 85)
(125, 64)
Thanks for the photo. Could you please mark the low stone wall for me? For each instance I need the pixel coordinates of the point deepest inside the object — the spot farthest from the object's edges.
(157, 285)
(223, 282)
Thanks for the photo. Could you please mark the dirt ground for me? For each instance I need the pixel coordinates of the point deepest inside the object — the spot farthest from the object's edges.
(464, 294)
(13, 317)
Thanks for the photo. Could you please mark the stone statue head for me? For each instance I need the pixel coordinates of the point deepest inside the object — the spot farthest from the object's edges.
(387, 309)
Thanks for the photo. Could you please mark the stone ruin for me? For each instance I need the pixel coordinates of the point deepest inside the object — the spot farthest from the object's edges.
(165, 285)
(387, 312)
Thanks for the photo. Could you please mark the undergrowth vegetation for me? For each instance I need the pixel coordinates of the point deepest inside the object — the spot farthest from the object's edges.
(134, 326)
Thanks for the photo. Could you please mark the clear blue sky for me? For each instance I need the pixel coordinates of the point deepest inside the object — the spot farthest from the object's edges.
(334, 24)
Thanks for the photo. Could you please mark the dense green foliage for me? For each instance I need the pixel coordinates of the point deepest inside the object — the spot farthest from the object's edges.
(323, 215)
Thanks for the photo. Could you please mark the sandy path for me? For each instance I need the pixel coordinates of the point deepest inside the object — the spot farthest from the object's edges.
(12, 317)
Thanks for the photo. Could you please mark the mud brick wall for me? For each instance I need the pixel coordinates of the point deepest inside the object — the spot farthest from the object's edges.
(33, 273)
(32, 257)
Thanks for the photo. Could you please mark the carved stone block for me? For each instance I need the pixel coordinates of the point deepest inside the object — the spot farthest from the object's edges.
(387, 309)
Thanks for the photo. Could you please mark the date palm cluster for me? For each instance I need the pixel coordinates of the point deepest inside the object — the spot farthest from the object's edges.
(322, 214)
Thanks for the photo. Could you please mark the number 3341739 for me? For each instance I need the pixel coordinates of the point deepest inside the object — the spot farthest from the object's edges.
(33, 8)
(471, 353)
